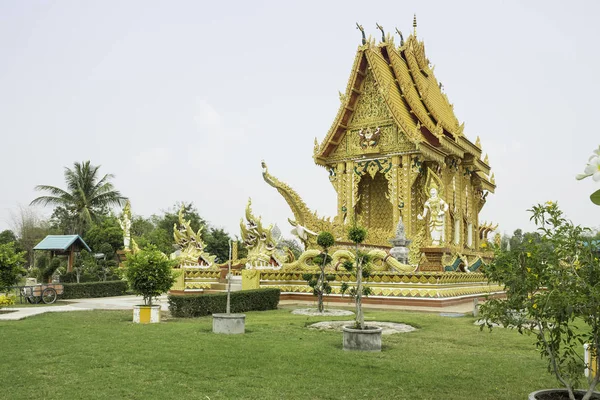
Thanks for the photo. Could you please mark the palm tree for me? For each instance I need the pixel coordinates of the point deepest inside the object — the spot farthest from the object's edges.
(86, 196)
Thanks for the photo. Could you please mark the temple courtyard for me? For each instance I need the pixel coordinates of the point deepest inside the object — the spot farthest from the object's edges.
(101, 354)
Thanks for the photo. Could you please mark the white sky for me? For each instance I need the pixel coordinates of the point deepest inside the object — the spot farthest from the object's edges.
(181, 100)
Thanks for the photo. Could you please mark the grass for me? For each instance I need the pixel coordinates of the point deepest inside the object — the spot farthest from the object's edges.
(102, 355)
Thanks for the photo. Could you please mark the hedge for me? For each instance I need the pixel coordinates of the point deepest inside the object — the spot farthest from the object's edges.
(188, 306)
(94, 289)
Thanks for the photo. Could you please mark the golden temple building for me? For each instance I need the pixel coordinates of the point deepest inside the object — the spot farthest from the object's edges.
(402, 167)
(394, 138)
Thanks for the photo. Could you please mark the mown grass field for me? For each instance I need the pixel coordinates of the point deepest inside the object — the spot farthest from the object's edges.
(102, 355)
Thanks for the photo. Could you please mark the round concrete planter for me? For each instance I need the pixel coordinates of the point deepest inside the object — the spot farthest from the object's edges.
(230, 324)
(540, 393)
(146, 314)
(368, 339)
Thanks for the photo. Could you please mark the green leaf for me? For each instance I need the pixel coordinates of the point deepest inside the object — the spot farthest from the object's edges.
(595, 197)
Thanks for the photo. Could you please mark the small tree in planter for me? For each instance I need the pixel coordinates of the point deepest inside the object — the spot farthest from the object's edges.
(552, 285)
(320, 283)
(150, 274)
(359, 336)
(229, 323)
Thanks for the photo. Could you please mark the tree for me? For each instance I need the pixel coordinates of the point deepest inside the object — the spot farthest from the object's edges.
(217, 243)
(158, 229)
(105, 231)
(11, 265)
(86, 198)
(321, 285)
(149, 273)
(7, 236)
(30, 229)
(357, 235)
(171, 219)
(552, 286)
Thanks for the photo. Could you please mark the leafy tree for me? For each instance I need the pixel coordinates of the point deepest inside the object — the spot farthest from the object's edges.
(217, 243)
(149, 273)
(552, 286)
(242, 249)
(105, 231)
(158, 238)
(171, 218)
(7, 236)
(141, 226)
(87, 195)
(11, 265)
(63, 222)
(158, 229)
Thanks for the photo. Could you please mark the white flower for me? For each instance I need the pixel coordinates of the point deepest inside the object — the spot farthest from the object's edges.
(592, 168)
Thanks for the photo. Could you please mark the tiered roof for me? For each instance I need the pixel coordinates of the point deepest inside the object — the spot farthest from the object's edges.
(415, 101)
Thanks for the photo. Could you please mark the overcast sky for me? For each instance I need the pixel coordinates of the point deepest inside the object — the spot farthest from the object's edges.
(181, 100)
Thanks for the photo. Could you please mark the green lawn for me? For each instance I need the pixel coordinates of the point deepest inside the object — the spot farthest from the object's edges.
(102, 355)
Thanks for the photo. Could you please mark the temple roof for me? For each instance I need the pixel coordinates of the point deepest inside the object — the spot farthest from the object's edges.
(415, 101)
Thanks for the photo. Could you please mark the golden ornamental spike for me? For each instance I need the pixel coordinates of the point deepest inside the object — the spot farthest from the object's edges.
(486, 159)
(478, 142)
(415, 25)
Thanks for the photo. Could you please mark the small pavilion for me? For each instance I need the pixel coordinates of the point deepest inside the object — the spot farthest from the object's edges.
(63, 245)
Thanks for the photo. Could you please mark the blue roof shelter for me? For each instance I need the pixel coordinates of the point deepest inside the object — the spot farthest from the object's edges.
(62, 245)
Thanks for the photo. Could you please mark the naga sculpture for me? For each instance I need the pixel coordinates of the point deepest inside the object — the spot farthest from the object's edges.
(191, 245)
(264, 250)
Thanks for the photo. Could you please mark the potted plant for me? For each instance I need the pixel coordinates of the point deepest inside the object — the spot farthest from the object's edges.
(150, 274)
(360, 336)
(552, 285)
(227, 322)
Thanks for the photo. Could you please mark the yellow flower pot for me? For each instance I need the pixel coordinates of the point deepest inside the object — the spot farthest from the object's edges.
(146, 314)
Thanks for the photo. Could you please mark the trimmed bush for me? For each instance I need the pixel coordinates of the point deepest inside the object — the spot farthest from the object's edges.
(188, 306)
(94, 289)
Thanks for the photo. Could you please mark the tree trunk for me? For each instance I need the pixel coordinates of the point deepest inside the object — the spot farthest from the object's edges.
(228, 308)
(360, 319)
(321, 285)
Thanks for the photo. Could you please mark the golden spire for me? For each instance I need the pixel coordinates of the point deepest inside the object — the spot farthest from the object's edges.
(415, 25)
(493, 179)
(486, 160)
(478, 142)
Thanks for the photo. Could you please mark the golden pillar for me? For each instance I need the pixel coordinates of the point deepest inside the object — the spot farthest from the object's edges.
(350, 177)
(406, 198)
(341, 190)
(395, 188)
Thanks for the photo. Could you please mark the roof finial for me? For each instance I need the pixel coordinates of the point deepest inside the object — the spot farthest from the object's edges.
(401, 37)
(415, 24)
(360, 28)
(382, 32)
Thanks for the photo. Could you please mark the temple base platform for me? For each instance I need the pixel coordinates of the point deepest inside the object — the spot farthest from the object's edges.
(434, 290)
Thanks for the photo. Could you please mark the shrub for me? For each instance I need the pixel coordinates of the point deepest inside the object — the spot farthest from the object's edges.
(188, 306)
(6, 300)
(94, 289)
